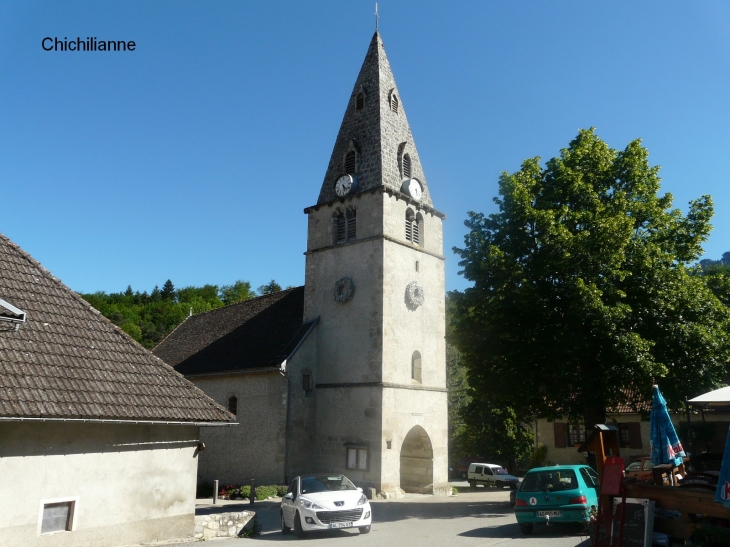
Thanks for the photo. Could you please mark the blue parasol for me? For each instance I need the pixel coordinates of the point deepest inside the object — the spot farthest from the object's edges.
(722, 494)
(665, 445)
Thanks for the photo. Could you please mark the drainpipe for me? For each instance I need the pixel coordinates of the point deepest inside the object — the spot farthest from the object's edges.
(285, 374)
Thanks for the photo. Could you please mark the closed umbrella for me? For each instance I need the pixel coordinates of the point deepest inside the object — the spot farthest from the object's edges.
(722, 494)
(665, 445)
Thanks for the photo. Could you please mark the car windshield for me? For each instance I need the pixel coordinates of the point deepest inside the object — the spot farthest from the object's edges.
(499, 471)
(325, 483)
(541, 481)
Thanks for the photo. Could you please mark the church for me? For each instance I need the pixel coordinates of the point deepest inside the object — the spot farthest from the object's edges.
(348, 373)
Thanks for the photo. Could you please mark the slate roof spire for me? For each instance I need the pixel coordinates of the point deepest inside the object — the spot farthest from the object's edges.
(378, 132)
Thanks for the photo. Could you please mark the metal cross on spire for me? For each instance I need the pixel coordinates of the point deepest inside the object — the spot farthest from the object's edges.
(376, 16)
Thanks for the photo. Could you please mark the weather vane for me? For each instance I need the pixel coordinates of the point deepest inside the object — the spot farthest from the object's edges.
(376, 16)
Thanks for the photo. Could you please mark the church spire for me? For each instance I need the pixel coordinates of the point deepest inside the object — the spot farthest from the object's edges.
(374, 143)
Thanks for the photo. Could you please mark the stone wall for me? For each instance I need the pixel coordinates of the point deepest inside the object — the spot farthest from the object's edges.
(255, 447)
(222, 525)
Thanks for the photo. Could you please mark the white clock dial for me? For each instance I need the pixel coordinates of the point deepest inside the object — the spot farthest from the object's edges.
(414, 188)
(343, 185)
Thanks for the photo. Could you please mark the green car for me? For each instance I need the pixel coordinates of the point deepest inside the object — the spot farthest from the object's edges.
(563, 493)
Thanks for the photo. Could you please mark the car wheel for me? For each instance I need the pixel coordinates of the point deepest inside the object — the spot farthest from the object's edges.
(472, 484)
(298, 526)
(284, 528)
(526, 529)
(364, 529)
(499, 484)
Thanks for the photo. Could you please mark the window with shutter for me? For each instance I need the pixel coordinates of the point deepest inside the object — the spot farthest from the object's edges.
(559, 434)
(635, 434)
(406, 166)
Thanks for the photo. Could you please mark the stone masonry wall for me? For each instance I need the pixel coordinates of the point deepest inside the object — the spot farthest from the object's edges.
(221, 525)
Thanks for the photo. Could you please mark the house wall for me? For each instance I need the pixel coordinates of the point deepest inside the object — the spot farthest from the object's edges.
(546, 436)
(130, 483)
(255, 447)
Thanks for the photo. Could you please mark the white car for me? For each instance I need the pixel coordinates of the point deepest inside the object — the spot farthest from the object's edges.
(324, 502)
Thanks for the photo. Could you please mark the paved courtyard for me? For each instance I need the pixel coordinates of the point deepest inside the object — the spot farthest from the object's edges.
(474, 517)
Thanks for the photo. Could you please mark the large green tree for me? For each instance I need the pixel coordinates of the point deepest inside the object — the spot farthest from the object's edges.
(582, 295)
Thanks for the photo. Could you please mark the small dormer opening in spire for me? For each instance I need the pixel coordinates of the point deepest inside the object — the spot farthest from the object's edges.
(351, 162)
(360, 101)
(394, 103)
(406, 166)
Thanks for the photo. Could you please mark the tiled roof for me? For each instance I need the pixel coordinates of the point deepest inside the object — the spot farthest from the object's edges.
(68, 361)
(254, 333)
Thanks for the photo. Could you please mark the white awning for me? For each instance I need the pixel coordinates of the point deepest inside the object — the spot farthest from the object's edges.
(718, 397)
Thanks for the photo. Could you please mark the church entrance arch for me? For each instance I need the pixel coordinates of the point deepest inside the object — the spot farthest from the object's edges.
(416, 462)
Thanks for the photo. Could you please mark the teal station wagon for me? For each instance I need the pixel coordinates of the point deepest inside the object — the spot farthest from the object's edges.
(564, 493)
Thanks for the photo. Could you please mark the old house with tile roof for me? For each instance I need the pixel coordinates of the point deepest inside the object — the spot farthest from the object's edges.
(99, 439)
(348, 373)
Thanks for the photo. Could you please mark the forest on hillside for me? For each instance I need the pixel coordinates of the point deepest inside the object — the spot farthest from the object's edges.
(149, 317)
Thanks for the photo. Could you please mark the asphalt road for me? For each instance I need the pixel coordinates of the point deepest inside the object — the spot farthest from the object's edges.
(473, 517)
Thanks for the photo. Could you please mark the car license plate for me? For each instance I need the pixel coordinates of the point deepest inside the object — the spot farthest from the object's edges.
(341, 525)
(548, 513)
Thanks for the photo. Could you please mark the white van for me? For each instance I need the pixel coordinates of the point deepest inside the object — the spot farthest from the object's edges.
(489, 474)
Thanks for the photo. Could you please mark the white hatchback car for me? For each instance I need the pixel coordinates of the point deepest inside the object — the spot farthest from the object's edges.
(324, 502)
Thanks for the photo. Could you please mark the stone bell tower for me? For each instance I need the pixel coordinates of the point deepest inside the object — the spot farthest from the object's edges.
(375, 401)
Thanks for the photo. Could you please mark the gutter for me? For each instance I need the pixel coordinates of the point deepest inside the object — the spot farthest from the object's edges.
(120, 422)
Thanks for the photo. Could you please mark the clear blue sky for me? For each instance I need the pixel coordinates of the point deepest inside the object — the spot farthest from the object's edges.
(193, 157)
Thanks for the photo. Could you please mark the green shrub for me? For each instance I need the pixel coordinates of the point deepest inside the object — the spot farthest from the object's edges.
(454, 490)
(710, 536)
(281, 491)
(263, 492)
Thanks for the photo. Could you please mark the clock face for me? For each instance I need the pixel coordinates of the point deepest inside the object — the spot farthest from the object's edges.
(414, 189)
(343, 185)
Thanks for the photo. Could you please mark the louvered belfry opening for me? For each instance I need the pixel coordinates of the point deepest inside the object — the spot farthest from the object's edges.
(351, 223)
(394, 103)
(406, 166)
(339, 228)
(350, 162)
(344, 225)
(418, 230)
(360, 101)
(410, 217)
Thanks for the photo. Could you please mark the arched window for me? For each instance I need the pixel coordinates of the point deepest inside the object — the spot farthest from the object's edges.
(416, 366)
(394, 103)
(406, 166)
(351, 162)
(344, 225)
(360, 101)
(233, 405)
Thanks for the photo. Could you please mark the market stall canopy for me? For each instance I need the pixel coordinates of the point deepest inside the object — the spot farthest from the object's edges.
(718, 397)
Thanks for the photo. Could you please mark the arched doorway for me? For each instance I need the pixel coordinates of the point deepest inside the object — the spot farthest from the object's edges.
(416, 462)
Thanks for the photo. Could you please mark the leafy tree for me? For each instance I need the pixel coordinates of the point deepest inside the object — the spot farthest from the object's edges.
(582, 294)
(270, 288)
(239, 291)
